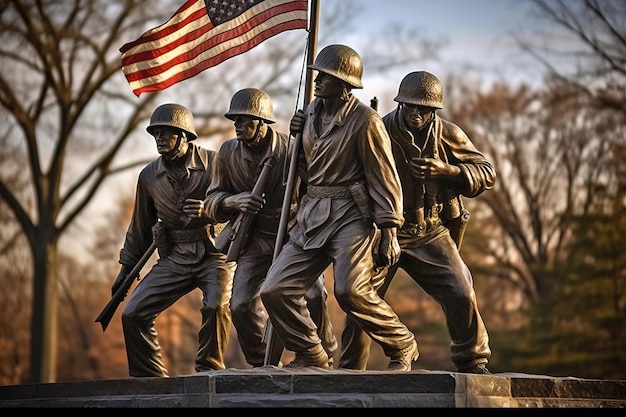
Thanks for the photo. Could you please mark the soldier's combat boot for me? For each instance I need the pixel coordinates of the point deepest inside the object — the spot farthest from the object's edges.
(315, 356)
(478, 368)
(401, 360)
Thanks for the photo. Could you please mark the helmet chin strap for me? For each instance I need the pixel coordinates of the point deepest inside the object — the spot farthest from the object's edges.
(427, 123)
(180, 149)
(257, 136)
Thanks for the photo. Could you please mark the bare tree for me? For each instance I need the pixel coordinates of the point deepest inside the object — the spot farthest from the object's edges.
(14, 299)
(583, 44)
(553, 145)
(57, 58)
(549, 154)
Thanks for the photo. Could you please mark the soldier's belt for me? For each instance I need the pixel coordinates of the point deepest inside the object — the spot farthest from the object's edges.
(328, 192)
(190, 235)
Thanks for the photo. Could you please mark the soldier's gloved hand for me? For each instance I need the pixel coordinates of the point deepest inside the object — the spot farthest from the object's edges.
(432, 167)
(193, 208)
(245, 202)
(297, 123)
(124, 270)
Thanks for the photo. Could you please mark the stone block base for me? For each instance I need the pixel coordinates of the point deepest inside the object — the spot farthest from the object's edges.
(317, 388)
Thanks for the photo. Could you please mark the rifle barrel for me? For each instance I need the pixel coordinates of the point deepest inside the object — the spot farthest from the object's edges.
(108, 311)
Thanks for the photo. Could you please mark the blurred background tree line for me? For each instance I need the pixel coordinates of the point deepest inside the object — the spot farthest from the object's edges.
(546, 246)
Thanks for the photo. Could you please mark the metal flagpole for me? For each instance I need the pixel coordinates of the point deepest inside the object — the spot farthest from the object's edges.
(273, 345)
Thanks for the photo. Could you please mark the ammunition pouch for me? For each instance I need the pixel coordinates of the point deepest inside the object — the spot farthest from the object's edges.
(362, 199)
(164, 237)
(452, 205)
(159, 235)
(439, 208)
(457, 217)
(454, 215)
(266, 221)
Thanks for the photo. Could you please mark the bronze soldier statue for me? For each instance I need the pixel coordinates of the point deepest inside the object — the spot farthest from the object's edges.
(352, 188)
(254, 218)
(169, 209)
(437, 164)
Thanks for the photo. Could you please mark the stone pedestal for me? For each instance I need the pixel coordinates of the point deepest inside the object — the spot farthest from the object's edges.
(277, 387)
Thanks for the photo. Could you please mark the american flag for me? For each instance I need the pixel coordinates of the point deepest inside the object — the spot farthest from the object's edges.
(202, 34)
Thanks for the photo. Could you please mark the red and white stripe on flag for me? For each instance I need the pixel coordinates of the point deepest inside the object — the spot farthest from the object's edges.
(202, 34)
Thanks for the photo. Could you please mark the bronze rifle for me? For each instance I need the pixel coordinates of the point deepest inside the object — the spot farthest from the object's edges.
(238, 234)
(107, 312)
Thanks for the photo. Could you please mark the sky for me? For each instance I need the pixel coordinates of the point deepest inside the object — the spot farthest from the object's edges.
(477, 34)
(475, 29)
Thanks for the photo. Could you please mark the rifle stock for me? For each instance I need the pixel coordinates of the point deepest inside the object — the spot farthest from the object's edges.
(107, 312)
(241, 227)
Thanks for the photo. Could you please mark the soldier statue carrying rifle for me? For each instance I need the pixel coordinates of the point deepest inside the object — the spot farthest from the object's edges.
(169, 211)
(257, 155)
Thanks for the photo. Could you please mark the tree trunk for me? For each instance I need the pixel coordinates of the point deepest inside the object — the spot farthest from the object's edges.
(43, 344)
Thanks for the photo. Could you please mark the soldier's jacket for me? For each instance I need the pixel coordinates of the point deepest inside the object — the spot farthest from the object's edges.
(434, 201)
(354, 149)
(161, 193)
(238, 169)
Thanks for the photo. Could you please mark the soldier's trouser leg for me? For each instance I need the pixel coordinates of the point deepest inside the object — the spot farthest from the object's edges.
(355, 347)
(354, 268)
(438, 268)
(292, 273)
(215, 279)
(355, 343)
(159, 289)
(294, 269)
(249, 315)
(317, 297)
(248, 312)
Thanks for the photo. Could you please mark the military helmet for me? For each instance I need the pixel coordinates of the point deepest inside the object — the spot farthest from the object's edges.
(251, 102)
(342, 62)
(173, 115)
(421, 88)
